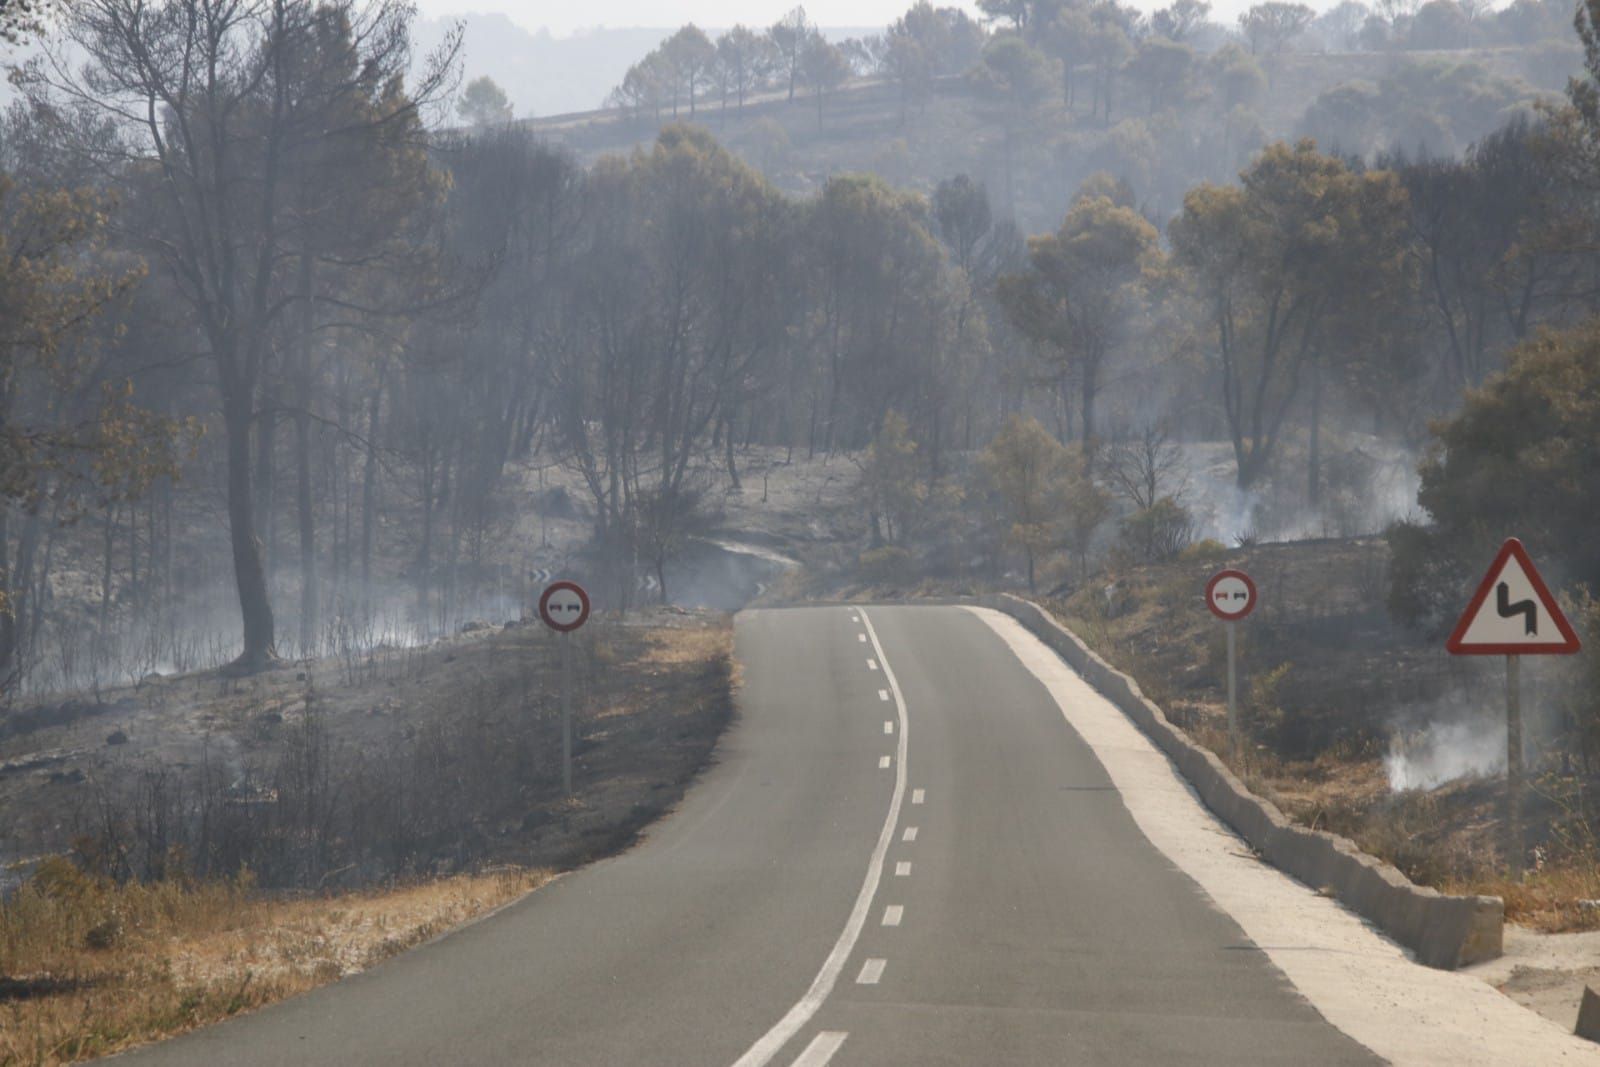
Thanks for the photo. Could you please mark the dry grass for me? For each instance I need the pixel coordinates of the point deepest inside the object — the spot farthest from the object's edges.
(1552, 900)
(678, 646)
(95, 968)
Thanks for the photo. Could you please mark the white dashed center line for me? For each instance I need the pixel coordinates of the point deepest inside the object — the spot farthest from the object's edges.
(893, 914)
(888, 726)
(910, 834)
(862, 638)
(883, 762)
(801, 1013)
(883, 694)
(917, 796)
(902, 870)
(821, 1049)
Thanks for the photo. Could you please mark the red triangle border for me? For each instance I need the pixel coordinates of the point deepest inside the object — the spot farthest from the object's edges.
(1565, 647)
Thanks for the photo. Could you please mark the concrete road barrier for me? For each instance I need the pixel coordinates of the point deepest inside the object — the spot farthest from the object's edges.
(1443, 931)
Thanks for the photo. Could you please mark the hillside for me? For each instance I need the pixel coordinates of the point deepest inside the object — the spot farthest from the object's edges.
(1438, 101)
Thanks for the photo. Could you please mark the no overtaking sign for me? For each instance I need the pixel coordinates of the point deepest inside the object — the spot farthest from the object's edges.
(564, 606)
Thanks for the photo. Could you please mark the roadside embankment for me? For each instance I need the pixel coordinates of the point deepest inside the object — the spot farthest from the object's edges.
(1444, 931)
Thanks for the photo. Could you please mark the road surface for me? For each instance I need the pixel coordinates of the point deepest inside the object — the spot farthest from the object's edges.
(903, 854)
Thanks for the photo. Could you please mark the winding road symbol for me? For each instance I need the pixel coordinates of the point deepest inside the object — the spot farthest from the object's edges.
(1528, 609)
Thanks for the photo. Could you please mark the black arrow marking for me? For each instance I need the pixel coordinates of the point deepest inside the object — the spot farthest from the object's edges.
(1526, 608)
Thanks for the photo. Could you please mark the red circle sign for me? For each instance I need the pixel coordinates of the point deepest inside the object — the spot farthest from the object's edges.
(1231, 595)
(564, 606)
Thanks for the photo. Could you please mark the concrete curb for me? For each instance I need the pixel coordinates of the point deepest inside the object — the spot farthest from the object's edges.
(1443, 931)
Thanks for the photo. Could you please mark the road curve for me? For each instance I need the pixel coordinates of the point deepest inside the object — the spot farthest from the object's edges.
(932, 869)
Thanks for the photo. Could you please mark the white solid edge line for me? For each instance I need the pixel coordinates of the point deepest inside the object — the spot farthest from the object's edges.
(821, 1049)
(1362, 983)
(772, 1042)
(871, 972)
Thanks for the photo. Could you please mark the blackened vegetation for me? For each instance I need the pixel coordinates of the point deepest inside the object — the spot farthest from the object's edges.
(472, 776)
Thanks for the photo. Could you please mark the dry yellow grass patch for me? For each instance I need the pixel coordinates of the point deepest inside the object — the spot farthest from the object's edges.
(88, 968)
(673, 646)
(1551, 900)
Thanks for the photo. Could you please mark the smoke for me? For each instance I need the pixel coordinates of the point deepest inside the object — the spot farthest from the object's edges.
(1462, 733)
(1365, 486)
(202, 631)
(1445, 751)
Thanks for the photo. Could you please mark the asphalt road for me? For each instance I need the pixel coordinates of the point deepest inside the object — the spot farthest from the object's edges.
(903, 855)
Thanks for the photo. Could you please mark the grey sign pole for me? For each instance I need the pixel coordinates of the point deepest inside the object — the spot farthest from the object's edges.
(564, 607)
(1514, 762)
(566, 712)
(1231, 596)
(1233, 686)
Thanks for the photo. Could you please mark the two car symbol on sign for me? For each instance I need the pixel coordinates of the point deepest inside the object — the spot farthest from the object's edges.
(564, 606)
(1231, 595)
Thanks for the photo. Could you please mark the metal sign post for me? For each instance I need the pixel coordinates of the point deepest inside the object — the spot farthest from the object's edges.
(1514, 761)
(564, 606)
(1233, 684)
(565, 641)
(1513, 614)
(1231, 595)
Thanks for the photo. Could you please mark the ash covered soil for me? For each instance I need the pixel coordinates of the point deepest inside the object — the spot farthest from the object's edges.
(651, 698)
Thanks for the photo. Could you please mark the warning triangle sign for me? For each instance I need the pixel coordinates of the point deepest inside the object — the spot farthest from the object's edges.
(1513, 613)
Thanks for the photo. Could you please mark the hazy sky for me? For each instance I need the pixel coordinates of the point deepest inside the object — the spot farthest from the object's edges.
(564, 16)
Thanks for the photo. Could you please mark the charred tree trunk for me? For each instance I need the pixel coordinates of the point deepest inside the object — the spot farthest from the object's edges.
(1314, 451)
(302, 434)
(109, 535)
(264, 483)
(733, 467)
(425, 550)
(255, 604)
(369, 491)
(8, 610)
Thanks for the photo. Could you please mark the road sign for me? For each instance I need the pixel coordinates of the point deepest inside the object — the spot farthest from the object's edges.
(564, 606)
(1231, 595)
(1513, 613)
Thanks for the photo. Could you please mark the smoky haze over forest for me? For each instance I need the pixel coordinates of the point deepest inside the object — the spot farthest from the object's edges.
(323, 379)
(318, 345)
